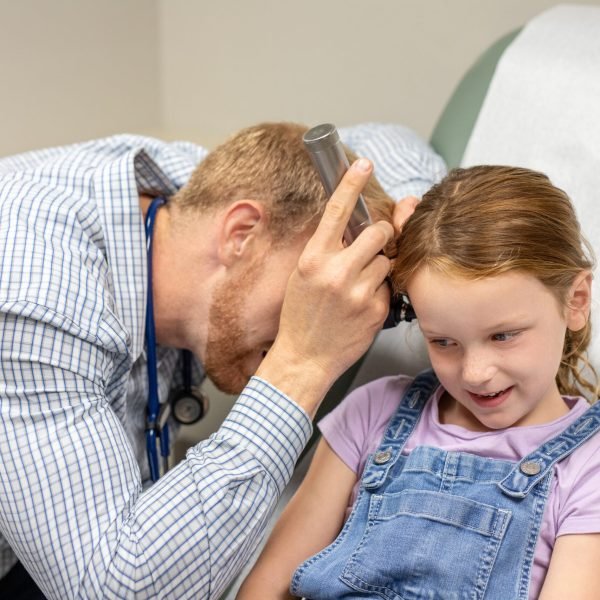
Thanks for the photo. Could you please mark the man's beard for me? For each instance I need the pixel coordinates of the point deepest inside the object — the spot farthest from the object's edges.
(227, 355)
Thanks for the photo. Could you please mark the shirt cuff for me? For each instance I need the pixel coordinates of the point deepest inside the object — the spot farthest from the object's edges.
(271, 426)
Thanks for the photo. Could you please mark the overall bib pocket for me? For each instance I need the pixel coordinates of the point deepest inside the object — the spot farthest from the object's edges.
(414, 540)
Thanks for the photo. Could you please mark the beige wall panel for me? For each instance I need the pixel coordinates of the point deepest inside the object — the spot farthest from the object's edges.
(76, 69)
(228, 63)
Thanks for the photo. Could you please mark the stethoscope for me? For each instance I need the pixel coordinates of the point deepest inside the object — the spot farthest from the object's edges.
(188, 405)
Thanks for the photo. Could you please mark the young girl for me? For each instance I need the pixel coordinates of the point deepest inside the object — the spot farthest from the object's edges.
(481, 478)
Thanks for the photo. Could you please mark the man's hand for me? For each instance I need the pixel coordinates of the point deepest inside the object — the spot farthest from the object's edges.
(335, 303)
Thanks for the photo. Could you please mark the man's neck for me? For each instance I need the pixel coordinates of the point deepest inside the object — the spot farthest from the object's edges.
(144, 202)
(181, 278)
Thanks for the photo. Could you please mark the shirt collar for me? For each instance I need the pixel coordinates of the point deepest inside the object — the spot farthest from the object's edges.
(118, 185)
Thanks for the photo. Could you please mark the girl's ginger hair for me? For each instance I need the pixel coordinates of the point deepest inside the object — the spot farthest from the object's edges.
(488, 220)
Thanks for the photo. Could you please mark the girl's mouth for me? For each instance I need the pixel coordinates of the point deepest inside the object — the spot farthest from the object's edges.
(491, 400)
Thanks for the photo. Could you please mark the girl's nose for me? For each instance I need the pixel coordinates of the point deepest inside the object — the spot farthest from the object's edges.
(478, 368)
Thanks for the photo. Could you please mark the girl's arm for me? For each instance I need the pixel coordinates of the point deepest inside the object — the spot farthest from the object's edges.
(574, 570)
(312, 520)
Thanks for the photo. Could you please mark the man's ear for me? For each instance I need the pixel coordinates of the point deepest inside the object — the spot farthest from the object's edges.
(243, 227)
(579, 301)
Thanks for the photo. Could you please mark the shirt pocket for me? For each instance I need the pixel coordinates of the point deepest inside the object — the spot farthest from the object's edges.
(422, 544)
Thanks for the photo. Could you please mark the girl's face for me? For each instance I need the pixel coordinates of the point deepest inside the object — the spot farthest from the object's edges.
(495, 345)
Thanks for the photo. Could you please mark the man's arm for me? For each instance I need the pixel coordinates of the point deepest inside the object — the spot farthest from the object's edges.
(336, 301)
(71, 500)
(405, 164)
(71, 503)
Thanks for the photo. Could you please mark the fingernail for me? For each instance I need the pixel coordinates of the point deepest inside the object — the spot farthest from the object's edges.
(362, 164)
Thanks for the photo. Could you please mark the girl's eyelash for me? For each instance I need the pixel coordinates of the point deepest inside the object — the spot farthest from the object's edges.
(496, 337)
(509, 335)
(441, 342)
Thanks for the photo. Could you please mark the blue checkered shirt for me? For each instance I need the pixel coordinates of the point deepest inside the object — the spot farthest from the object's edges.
(73, 382)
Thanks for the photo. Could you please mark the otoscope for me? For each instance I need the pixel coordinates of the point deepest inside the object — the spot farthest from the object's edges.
(327, 154)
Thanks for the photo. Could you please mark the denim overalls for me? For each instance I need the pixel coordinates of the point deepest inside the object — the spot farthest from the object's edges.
(438, 525)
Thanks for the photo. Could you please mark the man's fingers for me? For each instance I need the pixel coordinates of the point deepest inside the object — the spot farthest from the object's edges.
(377, 291)
(370, 242)
(403, 210)
(376, 272)
(330, 231)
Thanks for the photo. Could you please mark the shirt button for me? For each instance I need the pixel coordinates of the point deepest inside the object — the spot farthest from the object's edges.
(382, 457)
(531, 467)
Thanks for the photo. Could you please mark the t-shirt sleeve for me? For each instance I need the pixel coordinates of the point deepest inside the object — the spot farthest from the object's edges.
(405, 164)
(579, 491)
(353, 429)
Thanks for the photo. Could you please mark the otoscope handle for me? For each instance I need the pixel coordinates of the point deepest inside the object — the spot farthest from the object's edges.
(327, 153)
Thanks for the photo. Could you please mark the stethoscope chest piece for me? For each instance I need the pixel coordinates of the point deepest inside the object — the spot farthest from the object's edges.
(189, 406)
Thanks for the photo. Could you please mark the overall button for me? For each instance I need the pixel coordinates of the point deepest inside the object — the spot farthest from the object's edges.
(531, 467)
(382, 457)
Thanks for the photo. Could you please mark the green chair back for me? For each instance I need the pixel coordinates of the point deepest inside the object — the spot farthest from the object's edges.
(453, 129)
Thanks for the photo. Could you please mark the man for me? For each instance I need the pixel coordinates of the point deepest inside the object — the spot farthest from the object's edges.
(73, 381)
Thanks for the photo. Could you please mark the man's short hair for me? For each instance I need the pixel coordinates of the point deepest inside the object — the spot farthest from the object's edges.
(268, 163)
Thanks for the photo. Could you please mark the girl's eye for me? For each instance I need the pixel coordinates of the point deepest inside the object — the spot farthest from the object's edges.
(505, 336)
(442, 342)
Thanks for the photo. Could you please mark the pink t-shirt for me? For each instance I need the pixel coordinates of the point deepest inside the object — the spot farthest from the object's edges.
(354, 430)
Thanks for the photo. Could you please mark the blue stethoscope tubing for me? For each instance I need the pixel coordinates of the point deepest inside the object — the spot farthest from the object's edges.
(154, 429)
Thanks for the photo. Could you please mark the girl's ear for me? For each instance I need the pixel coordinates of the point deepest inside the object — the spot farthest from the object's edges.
(579, 301)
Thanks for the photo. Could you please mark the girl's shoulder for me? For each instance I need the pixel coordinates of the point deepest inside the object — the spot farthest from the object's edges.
(577, 489)
(375, 401)
(360, 420)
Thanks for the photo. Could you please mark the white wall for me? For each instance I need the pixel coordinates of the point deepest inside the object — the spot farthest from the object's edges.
(229, 63)
(76, 69)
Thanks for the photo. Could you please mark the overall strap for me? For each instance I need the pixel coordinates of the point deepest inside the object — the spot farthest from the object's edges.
(399, 428)
(536, 465)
